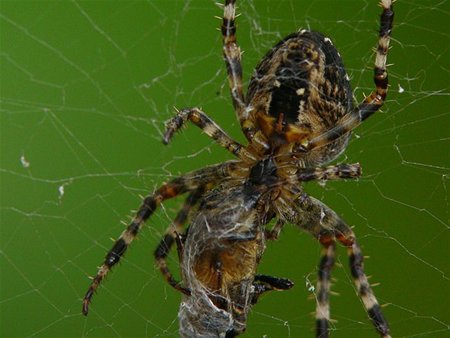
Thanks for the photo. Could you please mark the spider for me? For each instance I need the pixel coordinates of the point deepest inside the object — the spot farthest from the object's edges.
(297, 116)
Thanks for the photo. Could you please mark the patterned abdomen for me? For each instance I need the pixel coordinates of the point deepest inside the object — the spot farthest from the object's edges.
(302, 82)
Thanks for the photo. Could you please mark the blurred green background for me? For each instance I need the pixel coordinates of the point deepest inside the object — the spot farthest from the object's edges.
(85, 89)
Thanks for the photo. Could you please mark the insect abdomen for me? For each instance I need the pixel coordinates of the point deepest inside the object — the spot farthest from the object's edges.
(221, 253)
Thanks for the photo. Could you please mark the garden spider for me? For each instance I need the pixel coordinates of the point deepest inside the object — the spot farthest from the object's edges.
(298, 114)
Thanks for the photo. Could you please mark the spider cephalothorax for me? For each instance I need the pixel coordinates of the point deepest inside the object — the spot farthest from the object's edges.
(297, 116)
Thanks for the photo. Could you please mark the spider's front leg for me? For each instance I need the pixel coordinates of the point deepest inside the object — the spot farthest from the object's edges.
(170, 237)
(324, 224)
(189, 182)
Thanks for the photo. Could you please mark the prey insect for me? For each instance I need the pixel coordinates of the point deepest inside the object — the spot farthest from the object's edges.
(297, 116)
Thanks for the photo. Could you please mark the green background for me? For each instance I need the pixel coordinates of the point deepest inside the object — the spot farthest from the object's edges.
(85, 89)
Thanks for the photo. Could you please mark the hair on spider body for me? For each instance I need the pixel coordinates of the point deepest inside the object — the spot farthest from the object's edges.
(297, 116)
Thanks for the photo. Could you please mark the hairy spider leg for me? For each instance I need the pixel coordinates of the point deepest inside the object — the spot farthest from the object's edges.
(333, 172)
(362, 284)
(326, 264)
(376, 99)
(209, 127)
(177, 186)
(232, 57)
(324, 224)
(170, 237)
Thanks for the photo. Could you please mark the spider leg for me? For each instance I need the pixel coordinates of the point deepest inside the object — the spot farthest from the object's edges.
(189, 182)
(376, 99)
(232, 57)
(333, 172)
(326, 264)
(324, 224)
(212, 129)
(170, 238)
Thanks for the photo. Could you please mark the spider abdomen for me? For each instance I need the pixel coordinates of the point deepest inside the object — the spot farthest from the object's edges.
(298, 91)
(303, 79)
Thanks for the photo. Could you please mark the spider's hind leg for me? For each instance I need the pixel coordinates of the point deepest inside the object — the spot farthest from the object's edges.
(376, 99)
(232, 57)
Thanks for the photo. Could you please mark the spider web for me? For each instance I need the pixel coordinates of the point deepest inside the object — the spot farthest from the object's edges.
(85, 89)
